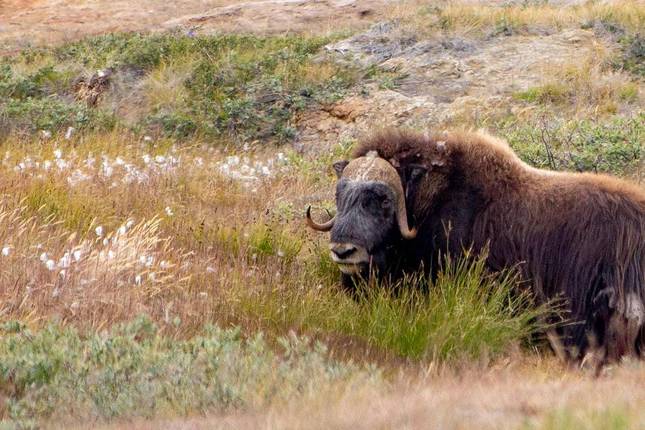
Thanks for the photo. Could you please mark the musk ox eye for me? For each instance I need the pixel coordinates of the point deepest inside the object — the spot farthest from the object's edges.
(376, 202)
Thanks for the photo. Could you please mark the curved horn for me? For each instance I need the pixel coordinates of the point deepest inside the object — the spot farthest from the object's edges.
(318, 227)
(402, 219)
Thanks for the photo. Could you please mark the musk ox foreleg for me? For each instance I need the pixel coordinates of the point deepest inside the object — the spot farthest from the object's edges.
(624, 328)
(618, 323)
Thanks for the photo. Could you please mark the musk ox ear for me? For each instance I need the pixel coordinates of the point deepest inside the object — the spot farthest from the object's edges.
(440, 155)
(339, 166)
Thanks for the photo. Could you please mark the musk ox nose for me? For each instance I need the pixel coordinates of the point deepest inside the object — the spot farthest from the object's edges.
(342, 250)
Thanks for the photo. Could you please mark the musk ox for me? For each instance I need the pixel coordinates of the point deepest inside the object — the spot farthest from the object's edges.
(405, 199)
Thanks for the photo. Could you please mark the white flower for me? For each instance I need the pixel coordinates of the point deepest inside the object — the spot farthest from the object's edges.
(58, 153)
(47, 165)
(43, 257)
(111, 254)
(6, 251)
(129, 224)
(46, 134)
(76, 177)
(77, 255)
(210, 269)
(146, 260)
(65, 260)
(164, 264)
(61, 164)
(146, 158)
(68, 133)
(160, 159)
(50, 264)
(123, 230)
(106, 242)
(168, 211)
(74, 305)
(99, 231)
(137, 280)
(147, 139)
(203, 294)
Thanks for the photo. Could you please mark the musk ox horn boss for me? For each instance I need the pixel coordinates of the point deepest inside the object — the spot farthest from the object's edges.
(405, 199)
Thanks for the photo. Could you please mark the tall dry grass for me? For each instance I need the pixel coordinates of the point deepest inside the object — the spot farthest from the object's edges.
(476, 18)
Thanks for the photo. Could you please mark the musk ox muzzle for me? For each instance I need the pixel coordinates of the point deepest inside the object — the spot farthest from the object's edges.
(371, 208)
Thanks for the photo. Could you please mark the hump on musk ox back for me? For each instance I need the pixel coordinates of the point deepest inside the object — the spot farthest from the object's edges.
(578, 236)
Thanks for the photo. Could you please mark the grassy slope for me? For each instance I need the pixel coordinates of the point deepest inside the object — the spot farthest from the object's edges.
(186, 228)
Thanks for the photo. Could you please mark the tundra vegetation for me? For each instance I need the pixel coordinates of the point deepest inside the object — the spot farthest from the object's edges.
(155, 270)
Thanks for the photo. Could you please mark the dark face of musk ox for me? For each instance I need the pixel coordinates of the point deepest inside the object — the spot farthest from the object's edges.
(365, 226)
(371, 216)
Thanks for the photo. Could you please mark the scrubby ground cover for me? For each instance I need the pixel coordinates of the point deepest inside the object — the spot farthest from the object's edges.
(154, 264)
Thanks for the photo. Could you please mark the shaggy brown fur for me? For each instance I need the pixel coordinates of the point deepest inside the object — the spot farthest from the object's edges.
(576, 235)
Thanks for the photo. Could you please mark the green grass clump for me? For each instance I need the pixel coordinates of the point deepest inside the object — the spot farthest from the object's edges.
(466, 313)
(549, 93)
(615, 146)
(135, 50)
(610, 418)
(134, 371)
(51, 114)
(632, 57)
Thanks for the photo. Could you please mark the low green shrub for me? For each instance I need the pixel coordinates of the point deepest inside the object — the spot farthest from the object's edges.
(135, 371)
(615, 146)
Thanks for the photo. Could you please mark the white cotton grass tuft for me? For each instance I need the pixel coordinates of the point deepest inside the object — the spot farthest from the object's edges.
(6, 250)
(249, 171)
(118, 169)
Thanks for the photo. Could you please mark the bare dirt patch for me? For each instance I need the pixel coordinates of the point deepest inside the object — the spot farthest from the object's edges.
(47, 22)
